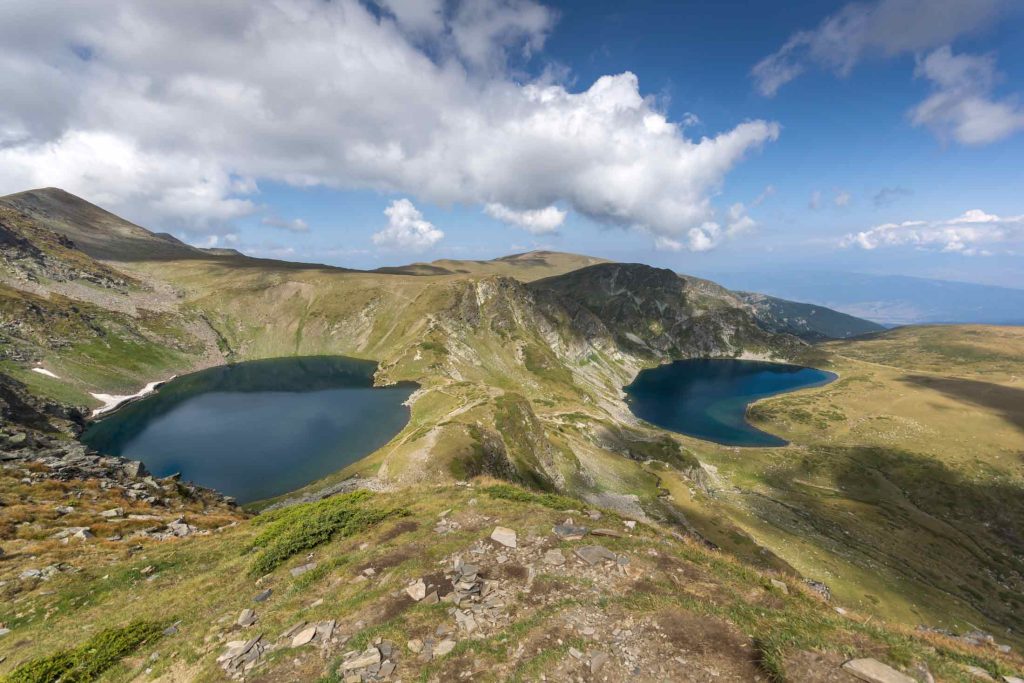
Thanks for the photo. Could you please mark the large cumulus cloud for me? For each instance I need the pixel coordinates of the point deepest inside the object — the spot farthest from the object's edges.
(174, 112)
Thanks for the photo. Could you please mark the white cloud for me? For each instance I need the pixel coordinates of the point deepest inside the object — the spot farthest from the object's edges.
(880, 28)
(414, 100)
(537, 221)
(292, 225)
(406, 230)
(962, 107)
(974, 232)
(842, 198)
(710, 234)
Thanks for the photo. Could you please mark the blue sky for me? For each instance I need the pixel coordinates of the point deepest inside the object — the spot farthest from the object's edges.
(899, 113)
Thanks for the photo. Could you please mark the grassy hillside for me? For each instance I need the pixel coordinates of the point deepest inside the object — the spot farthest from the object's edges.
(899, 491)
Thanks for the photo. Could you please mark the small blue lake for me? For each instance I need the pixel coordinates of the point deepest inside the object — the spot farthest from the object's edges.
(258, 429)
(708, 399)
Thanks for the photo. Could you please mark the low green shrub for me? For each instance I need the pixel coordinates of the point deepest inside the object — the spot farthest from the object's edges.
(88, 661)
(303, 527)
(550, 500)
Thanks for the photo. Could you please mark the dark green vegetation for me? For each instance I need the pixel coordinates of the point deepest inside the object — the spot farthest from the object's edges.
(288, 531)
(88, 661)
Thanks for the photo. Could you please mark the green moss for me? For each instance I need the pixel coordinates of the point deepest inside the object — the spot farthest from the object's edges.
(303, 527)
(88, 661)
(550, 500)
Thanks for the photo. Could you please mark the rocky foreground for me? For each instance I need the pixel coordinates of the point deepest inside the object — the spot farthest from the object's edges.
(498, 584)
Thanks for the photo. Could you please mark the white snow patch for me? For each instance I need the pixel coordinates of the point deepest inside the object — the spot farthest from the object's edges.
(111, 401)
(44, 371)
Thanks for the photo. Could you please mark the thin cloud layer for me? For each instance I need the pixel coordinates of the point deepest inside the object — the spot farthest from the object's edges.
(882, 28)
(175, 112)
(974, 232)
(407, 230)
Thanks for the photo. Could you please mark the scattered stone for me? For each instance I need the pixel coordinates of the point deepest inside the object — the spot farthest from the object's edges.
(874, 671)
(978, 672)
(575, 654)
(594, 554)
(630, 524)
(113, 513)
(324, 630)
(444, 647)
(172, 629)
(262, 595)
(554, 557)
(504, 536)
(780, 586)
(386, 669)
(246, 618)
(594, 514)
(4, 631)
(147, 570)
(304, 636)
(417, 591)
(1012, 679)
(360, 661)
(415, 646)
(569, 532)
(432, 599)
(606, 532)
(64, 509)
(302, 569)
(242, 656)
(597, 661)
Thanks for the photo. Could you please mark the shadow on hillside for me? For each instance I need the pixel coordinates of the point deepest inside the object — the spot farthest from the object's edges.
(1007, 401)
(916, 517)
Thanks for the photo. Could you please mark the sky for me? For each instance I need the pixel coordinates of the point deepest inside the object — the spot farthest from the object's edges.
(883, 136)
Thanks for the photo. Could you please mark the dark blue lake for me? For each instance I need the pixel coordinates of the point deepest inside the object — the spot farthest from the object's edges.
(258, 429)
(708, 399)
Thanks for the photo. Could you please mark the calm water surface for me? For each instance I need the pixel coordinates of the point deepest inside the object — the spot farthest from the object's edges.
(258, 429)
(708, 399)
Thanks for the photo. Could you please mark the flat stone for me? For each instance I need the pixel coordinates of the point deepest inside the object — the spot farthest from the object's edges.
(263, 595)
(246, 618)
(630, 524)
(780, 586)
(597, 661)
(417, 591)
(304, 636)
(415, 646)
(594, 554)
(554, 557)
(431, 599)
(569, 532)
(386, 669)
(302, 569)
(874, 671)
(978, 672)
(504, 536)
(112, 513)
(444, 647)
(325, 629)
(606, 532)
(368, 658)
(1012, 679)
(4, 631)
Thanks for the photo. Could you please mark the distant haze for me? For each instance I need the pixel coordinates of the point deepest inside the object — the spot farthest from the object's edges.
(889, 299)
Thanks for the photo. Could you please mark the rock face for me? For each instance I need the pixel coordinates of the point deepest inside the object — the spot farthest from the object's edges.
(655, 313)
